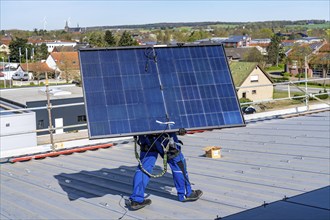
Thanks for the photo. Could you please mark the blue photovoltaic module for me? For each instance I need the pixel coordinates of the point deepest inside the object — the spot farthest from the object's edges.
(128, 89)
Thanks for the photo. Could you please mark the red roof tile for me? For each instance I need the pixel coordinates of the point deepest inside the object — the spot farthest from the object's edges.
(36, 67)
(67, 60)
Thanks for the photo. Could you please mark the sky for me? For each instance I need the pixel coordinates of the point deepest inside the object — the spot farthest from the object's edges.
(52, 15)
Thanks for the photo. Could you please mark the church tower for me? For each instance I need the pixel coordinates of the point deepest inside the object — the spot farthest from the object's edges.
(66, 28)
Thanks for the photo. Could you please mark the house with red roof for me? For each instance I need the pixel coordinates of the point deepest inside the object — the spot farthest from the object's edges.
(38, 70)
(320, 61)
(65, 65)
(315, 57)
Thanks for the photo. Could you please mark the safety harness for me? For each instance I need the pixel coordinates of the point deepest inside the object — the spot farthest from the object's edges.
(166, 150)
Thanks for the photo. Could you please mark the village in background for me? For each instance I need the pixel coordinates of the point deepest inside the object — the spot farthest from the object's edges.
(274, 65)
(281, 47)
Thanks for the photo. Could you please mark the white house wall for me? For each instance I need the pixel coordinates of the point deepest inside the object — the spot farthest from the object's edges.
(261, 93)
(51, 62)
(52, 45)
(9, 74)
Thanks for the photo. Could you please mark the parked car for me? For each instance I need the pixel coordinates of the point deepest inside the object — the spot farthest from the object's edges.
(249, 110)
(21, 76)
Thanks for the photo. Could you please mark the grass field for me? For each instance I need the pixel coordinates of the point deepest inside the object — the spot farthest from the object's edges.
(326, 25)
(224, 26)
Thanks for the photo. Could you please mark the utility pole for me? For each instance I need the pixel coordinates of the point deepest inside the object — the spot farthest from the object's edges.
(3, 69)
(11, 79)
(49, 108)
(20, 56)
(27, 60)
(306, 87)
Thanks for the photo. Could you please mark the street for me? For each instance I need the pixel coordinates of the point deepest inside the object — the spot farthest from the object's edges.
(295, 89)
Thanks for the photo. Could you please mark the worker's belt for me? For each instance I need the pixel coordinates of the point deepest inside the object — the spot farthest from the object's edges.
(145, 148)
(172, 152)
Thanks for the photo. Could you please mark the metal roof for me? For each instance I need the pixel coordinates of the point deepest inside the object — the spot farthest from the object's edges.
(263, 162)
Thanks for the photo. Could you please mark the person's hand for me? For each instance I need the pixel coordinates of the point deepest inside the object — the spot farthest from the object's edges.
(182, 131)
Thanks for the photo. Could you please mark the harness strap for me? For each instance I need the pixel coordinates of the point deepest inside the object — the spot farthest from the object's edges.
(164, 160)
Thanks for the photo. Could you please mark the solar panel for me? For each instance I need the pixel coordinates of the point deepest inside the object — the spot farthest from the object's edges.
(127, 90)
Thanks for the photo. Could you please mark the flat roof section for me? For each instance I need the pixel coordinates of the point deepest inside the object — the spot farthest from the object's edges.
(262, 163)
(29, 94)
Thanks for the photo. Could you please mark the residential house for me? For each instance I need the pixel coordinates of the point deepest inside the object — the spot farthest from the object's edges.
(287, 43)
(237, 54)
(300, 56)
(4, 43)
(36, 40)
(309, 40)
(260, 41)
(4, 48)
(261, 45)
(69, 48)
(11, 69)
(52, 45)
(63, 49)
(248, 76)
(237, 41)
(228, 42)
(291, 34)
(65, 64)
(38, 70)
(320, 62)
(211, 40)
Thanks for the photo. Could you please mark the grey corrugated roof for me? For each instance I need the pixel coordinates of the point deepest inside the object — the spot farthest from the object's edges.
(262, 162)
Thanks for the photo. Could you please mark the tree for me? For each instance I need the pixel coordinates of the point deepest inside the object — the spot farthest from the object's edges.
(17, 49)
(180, 35)
(167, 36)
(41, 52)
(163, 36)
(109, 38)
(263, 33)
(299, 53)
(64, 66)
(322, 60)
(126, 40)
(254, 55)
(220, 32)
(198, 35)
(96, 39)
(274, 50)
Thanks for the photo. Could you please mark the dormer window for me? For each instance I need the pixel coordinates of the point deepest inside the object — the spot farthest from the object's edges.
(254, 78)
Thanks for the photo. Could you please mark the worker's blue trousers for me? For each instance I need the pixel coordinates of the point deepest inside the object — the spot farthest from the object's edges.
(179, 171)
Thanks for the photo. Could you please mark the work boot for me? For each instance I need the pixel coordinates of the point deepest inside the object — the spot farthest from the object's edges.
(139, 205)
(195, 195)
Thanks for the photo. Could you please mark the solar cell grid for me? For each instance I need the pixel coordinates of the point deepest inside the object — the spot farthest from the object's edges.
(127, 89)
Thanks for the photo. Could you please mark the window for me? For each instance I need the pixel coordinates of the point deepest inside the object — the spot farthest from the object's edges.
(82, 118)
(7, 124)
(244, 95)
(40, 124)
(254, 78)
(254, 92)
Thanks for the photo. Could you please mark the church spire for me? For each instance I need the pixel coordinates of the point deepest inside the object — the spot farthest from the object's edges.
(66, 28)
